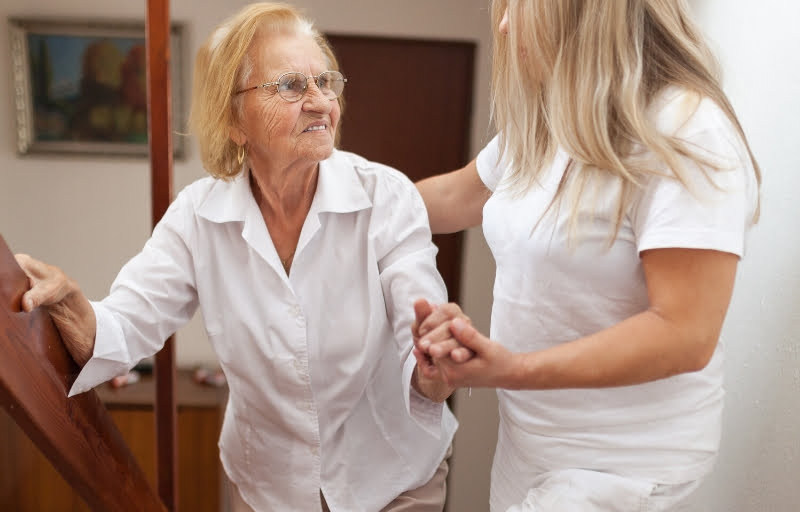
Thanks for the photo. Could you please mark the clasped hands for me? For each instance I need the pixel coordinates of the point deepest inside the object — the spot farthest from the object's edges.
(451, 353)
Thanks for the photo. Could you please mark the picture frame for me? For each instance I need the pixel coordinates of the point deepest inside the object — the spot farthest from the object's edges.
(80, 86)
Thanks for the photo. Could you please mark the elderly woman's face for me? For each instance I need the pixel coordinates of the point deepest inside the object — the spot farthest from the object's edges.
(279, 133)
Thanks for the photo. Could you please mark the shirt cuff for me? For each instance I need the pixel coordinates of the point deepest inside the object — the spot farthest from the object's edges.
(425, 413)
(110, 356)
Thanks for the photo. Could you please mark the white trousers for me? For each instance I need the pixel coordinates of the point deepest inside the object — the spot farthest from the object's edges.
(579, 490)
(573, 489)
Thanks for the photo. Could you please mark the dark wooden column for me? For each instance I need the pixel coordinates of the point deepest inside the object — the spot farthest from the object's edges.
(160, 140)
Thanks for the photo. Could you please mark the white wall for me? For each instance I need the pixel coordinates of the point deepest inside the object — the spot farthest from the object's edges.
(759, 464)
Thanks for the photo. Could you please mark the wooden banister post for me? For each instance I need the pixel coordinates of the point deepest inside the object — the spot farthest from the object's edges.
(159, 137)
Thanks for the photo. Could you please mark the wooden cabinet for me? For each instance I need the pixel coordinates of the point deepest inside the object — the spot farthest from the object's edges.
(29, 483)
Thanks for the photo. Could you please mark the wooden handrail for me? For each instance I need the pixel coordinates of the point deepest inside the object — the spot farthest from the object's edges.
(76, 434)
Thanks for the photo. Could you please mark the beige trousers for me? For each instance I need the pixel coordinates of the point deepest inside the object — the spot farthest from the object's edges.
(428, 498)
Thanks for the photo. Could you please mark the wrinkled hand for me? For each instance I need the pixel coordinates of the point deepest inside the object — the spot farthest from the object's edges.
(490, 364)
(432, 331)
(69, 308)
(427, 380)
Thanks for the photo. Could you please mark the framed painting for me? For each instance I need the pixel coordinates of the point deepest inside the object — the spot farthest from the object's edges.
(80, 86)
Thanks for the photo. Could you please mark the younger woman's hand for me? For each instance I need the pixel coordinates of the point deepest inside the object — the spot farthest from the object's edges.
(432, 334)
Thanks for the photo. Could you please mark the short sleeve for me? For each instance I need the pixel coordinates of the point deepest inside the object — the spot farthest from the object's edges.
(490, 168)
(716, 207)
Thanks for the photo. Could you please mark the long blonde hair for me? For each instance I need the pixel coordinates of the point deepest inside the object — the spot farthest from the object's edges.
(222, 67)
(592, 70)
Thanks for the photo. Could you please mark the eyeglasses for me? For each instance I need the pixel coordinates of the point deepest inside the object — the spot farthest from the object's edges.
(293, 85)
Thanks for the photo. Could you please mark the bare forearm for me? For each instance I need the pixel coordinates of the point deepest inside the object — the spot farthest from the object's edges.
(689, 291)
(75, 320)
(643, 348)
(434, 192)
(454, 200)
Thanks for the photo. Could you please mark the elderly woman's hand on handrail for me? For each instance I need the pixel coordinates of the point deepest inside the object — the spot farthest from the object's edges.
(69, 308)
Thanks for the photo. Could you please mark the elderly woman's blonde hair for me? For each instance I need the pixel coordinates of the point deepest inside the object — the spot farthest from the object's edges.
(222, 67)
(591, 73)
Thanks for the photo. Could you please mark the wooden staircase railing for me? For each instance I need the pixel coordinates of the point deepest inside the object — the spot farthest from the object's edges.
(76, 434)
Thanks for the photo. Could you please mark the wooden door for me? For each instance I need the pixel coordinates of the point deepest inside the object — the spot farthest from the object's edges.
(408, 104)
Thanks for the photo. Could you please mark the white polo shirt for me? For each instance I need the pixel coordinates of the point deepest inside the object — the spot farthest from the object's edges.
(549, 292)
(318, 362)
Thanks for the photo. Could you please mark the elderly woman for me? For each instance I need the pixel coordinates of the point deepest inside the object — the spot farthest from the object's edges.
(305, 262)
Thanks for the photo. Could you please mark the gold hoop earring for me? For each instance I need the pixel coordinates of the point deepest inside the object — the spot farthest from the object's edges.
(240, 154)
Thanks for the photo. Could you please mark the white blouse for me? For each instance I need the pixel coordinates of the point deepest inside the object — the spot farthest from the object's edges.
(318, 362)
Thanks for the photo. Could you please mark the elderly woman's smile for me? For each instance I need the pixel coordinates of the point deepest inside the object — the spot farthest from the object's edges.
(288, 126)
(316, 128)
